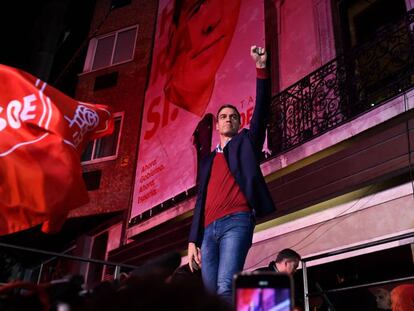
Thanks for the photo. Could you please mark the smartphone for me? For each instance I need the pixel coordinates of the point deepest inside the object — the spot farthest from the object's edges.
(263, 291)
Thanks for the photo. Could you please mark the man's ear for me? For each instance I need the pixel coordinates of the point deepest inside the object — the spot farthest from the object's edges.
(217, 128)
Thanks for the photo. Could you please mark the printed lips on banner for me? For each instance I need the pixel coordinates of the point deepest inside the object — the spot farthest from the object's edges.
(42, 135)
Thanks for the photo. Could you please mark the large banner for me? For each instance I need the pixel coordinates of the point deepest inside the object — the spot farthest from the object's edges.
(201, 61)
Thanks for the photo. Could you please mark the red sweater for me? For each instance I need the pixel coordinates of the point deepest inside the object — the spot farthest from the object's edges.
(224, 196)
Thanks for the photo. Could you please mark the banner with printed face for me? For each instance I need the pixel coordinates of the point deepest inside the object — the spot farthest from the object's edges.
(42, 135)
(201, 61)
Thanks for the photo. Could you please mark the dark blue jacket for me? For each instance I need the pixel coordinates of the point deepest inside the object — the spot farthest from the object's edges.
(242, 154)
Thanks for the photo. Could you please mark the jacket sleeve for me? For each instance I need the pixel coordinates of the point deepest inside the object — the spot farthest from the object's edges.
(257, 132)
(197, 227)
(195, 235)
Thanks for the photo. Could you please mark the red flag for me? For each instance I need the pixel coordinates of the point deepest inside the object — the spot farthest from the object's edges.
(42, 135)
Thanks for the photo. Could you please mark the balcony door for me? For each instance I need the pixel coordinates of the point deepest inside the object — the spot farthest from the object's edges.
(304, 38)
(375, 38)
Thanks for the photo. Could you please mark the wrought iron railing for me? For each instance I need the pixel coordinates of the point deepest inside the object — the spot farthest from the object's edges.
(64, 255)
(344, 88)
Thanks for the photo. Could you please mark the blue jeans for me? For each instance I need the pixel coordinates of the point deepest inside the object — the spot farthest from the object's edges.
(224, 249)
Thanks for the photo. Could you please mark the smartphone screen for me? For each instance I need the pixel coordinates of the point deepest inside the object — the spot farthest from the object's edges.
(263, 291)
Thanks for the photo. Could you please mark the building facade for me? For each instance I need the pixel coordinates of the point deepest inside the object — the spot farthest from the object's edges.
(340, 135)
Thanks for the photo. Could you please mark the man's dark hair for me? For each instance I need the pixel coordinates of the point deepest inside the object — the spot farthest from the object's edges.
(227, 106)
(288, 254)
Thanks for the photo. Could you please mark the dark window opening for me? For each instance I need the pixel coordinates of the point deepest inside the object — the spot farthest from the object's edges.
(92, 179)
(361, 20)
(106, 81)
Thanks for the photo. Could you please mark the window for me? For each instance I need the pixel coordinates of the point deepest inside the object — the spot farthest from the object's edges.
(105, 148)
(112, 49)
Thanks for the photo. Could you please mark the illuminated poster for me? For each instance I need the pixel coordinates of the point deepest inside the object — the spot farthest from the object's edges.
(201, 61)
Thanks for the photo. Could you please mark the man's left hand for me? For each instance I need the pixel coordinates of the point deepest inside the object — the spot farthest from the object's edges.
(259, 56)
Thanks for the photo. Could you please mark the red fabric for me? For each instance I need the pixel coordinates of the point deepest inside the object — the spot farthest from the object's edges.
(42, 134)
(262, 73)
(402, 298)
(224, 196)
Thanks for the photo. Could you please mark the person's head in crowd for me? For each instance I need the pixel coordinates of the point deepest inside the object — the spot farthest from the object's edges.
(184, 274)
(160, 267)
(22, 295)
(155, 295)
(198, 39)
(382, 297)
(402, 298)
(287, 261)
(104, 296)
(140, 291)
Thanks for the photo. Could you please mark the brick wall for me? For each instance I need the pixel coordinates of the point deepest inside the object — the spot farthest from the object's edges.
(127, 95)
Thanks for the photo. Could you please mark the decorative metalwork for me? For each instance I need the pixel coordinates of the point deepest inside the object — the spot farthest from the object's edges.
(344, 88)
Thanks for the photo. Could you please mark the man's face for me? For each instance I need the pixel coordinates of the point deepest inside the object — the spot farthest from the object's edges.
(228, 122)
(197, 47)
(289, 266)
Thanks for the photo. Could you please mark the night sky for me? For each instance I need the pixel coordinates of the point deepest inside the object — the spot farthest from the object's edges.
(31, 29)
(23, 32)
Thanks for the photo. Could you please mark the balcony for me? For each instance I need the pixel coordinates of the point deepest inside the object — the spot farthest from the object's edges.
(345, 88)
